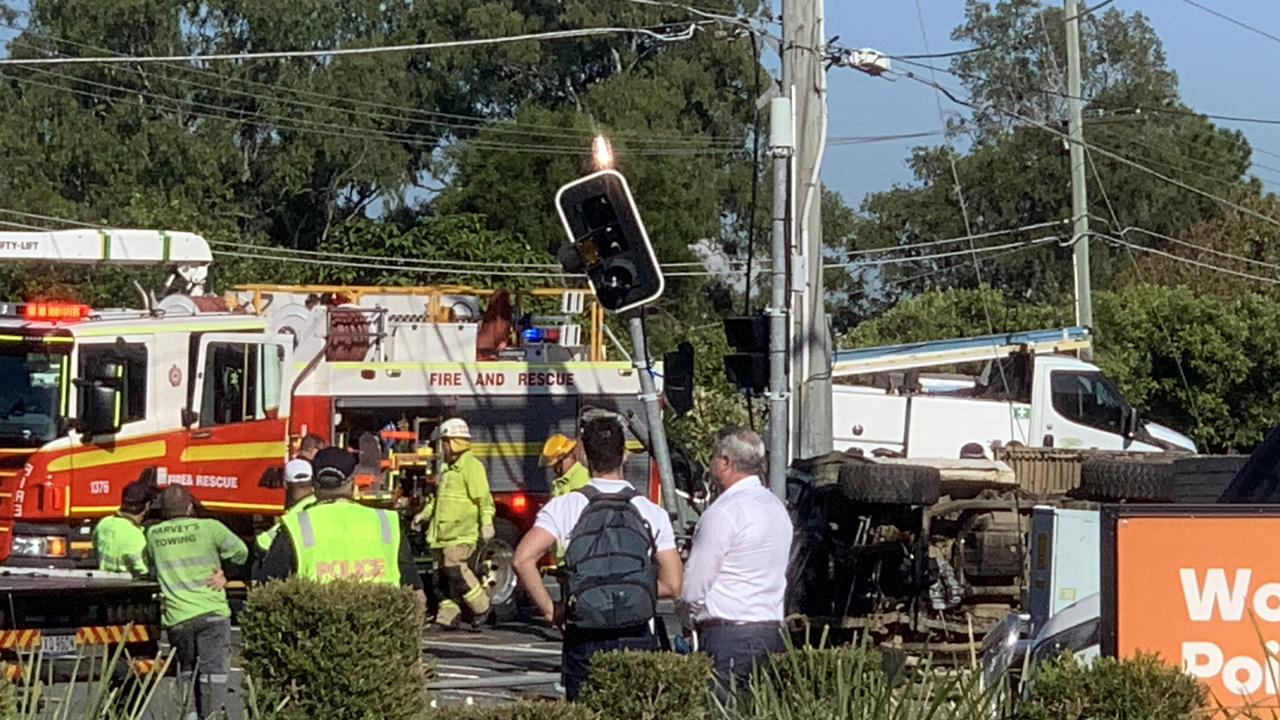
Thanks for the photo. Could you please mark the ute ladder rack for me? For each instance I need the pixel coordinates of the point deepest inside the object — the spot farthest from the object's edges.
(864, 361)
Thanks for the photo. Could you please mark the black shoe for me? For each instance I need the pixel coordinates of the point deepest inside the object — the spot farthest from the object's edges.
(479, 621)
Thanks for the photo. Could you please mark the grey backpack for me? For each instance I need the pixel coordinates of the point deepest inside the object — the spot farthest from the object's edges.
(610, 563)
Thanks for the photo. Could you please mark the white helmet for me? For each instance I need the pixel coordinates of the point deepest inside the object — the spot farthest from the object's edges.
(454, 428)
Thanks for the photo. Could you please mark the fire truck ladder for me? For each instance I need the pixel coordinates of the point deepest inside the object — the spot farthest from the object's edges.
(886, 358)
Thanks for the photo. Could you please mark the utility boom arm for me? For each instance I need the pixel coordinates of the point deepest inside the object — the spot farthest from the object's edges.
(187, 253)
(948, 352)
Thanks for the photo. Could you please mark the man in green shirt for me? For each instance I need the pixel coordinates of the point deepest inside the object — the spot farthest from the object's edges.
(187, 554)
(300, 494)
(118, 540)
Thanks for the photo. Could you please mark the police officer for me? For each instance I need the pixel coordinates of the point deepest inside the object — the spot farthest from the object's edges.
(187, 554)
(563, 455)
(337, 538)
(299, 494)
(460, 515)
(118, 540)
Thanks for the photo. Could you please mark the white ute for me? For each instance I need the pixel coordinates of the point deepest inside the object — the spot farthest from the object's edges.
(1030, 391)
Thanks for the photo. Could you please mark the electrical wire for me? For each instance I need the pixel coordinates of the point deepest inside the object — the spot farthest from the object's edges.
(939, 256)
(1186, 260)
(686, 34)
(401, 113)
(1124, 232)
(1239, 23)
(865, 139)
(962, 238)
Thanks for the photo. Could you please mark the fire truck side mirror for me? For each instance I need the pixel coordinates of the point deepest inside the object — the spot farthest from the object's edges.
(99, 409)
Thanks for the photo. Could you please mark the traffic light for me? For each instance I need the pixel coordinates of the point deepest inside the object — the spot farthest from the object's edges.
(748, 368)
(677, 378)
(608, 242)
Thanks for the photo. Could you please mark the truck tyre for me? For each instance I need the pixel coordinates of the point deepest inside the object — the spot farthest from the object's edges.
(890, 484)
(1139, 479)
(491, 563)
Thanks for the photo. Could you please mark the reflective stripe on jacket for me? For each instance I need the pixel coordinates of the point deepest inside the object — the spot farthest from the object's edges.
(577, 477)
(342, 540)
(185, 553)
(462, 504)
(268, 536)
(120, 544)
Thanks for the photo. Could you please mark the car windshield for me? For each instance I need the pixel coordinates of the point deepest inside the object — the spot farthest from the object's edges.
(33, 387)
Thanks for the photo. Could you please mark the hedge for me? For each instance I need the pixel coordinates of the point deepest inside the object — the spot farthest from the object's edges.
(340, 650)
(649, 686)
(525, 710)
(1144, 688)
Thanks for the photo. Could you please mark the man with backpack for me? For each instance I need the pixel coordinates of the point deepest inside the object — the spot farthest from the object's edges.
(619, 557)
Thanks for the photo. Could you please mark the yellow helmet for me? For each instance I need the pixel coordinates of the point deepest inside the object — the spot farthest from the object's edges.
(556, 447)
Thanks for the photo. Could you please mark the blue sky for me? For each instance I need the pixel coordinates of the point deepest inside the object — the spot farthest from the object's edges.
(1223, 69)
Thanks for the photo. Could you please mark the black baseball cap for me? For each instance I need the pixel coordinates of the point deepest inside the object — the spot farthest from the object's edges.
(136, 496)
(333, 467)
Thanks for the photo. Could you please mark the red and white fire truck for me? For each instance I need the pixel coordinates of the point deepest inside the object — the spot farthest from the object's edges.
(211, 391)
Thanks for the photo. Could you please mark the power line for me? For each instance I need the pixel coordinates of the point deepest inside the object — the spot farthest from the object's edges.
(1187, 261)
(1199, 248)
(686, 34)
(962, 238)
(865, 139)
(1239, 23)
(939, 256)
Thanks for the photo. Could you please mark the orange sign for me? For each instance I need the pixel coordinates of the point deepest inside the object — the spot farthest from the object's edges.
(1201, 590)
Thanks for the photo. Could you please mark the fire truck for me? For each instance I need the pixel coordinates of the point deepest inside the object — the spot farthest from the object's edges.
(212, 391)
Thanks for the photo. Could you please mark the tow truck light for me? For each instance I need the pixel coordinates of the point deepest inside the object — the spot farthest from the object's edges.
(519, 502)
(54, 311)
(39, 546)
(541, 335)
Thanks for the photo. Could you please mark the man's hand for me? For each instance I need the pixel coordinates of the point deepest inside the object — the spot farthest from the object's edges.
(487, 533)
(218, 580)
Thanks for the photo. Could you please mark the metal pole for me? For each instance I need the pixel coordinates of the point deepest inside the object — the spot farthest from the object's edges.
(803, 69)
(1079, 192)
(781, 142)
(653, 413)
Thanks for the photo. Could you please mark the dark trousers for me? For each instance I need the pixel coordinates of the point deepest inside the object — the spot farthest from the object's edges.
(736, 650)
(580, 645)
(201, 645)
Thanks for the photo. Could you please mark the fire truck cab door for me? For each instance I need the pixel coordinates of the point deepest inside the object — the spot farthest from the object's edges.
(238, 442)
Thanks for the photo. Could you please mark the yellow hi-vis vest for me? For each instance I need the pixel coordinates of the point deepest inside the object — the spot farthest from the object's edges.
(342, 540)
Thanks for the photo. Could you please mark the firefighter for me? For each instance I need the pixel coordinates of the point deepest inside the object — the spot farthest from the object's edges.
(460, 516)
(187, 554)
(337, 538)
(564, 456)
(119, 541)
(299, 495)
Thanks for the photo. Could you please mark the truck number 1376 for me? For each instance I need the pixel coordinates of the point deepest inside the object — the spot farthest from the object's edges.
(100, 487)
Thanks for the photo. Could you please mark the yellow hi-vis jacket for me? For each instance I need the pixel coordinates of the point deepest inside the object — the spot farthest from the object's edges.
(578, 477)
(120, 545)
(462, 504)
(343, 540)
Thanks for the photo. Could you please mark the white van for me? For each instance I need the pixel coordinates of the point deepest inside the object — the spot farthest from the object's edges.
(1029, 392)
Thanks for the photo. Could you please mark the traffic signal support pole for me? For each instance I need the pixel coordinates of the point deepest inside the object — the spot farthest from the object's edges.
(780, 147)
(653, 414)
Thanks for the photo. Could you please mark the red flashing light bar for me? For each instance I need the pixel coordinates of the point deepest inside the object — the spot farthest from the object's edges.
(55, 311)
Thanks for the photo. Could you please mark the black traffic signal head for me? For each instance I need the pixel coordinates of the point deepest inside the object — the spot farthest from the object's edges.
(677, 378)
(748, 368)
(608, 241)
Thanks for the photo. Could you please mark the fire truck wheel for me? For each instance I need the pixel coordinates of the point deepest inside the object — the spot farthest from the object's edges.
(492, 565)
(863, 481)
(1134, 479)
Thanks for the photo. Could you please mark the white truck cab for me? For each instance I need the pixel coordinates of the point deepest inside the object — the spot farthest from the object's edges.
(1029, 391)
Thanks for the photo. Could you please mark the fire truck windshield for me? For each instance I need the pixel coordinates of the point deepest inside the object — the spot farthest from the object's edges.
(33, 387)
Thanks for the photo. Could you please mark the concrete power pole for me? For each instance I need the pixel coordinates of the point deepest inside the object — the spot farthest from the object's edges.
(804, 78)
(1079, 191)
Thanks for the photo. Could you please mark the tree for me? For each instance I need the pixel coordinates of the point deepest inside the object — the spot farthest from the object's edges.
(1015, 172)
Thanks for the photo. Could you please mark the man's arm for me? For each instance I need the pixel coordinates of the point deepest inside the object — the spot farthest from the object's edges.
(670, 573)
(710, 544)
(532, 548)
(231, 548)
(478, 491)
(409, 576)
(279, 562)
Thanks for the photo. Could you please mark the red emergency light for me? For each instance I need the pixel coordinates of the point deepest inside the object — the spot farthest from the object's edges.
(55, 311)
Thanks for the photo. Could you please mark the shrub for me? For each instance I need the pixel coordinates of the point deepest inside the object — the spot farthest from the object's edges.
(812, 682)
(649, 686)
(335, 650)
(517, 711)
(8, 695)
(1144, 688)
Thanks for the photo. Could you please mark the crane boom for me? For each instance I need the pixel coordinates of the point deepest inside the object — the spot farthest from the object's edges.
(187, 253)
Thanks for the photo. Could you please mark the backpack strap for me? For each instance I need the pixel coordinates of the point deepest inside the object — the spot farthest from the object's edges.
(593, 493)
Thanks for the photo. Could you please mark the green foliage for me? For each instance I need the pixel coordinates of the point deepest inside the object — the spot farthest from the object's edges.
(1144, 688)
(649, 686)
(8, 698)
(1198, 363)
(335, 650)
(524, 710)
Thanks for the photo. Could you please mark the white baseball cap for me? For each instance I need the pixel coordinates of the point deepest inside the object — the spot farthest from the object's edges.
(297, 471)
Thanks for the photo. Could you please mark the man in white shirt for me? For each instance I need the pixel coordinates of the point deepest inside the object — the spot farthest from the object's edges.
(604, 442)
(736, 578)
